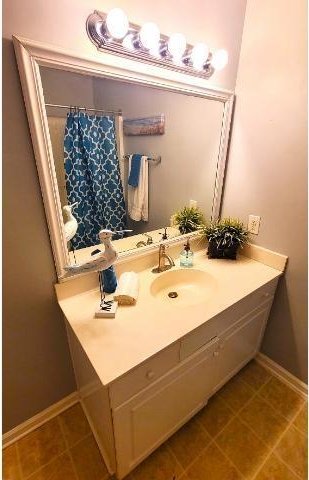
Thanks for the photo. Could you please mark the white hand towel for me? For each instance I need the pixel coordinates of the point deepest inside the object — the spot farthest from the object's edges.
(138, 196)
(127, 289)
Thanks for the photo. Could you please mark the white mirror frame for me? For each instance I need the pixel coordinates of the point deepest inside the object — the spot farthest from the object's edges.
(31, 55)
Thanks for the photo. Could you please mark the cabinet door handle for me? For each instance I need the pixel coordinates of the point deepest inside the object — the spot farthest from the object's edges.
(216, 354)
(150, 374)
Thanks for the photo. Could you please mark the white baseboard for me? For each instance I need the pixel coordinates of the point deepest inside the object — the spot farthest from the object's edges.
(34, 422)
(283, 375)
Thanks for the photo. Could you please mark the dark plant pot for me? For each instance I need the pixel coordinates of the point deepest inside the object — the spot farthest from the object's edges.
(184, 230)
(215, 251)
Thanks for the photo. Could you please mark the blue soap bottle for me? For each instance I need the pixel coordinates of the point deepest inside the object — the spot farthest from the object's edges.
(186, 256)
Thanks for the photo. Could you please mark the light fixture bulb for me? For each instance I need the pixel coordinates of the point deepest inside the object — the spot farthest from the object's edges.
(177, 45)
(149, 36)
(219, 59)
(117, 23)
(127, 42)
(199, 55)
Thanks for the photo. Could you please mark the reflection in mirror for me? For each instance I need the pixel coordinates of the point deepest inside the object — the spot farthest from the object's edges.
(128, 157)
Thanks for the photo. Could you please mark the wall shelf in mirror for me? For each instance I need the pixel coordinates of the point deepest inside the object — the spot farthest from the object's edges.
(194, 143)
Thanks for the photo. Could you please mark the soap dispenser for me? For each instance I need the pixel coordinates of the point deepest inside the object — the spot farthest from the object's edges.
(186, 256)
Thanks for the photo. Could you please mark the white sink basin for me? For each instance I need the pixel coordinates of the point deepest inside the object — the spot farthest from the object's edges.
(183, 287)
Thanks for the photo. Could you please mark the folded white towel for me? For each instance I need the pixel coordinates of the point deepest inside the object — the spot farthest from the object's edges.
(138, 196)
(127, 290)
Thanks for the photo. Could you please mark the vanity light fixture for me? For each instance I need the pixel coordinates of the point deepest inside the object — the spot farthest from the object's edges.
(199, 55)
(219, 59)
(114, 33)
(176, 46)
(117, 24)
(150, 36)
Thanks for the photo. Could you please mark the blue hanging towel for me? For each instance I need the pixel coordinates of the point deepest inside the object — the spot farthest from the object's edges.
(135, 170)
(109, 280)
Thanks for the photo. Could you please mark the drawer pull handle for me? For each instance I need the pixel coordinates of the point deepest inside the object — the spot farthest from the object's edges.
(216, 354)
(266, 295)
(150, 374)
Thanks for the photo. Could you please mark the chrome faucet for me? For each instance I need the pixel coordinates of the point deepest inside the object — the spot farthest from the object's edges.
(149, 238)
(141, 243)
(162, 257)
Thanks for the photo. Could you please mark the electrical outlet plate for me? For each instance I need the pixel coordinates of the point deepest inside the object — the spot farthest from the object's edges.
(254, 224)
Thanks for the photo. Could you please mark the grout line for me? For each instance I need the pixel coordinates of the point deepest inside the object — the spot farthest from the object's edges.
(18, 461)
(68, 448)
(197, 456)
(235, 414)
(289, 423)
(218, 433)
(287, 465)
(272, 450)
(170, 450)
(230, 461)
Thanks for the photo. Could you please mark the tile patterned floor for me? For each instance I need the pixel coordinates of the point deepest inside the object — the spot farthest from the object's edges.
(254, 428)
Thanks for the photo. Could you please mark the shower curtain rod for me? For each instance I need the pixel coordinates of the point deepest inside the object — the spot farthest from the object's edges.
(68, 107)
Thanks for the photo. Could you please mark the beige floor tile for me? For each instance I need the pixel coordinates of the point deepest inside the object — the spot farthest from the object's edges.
(59, 469)
(40, 446)
(188, 442)
(10, 468)
(212, 465)
(236, 393)
(263, 419)
(88, 461)
(254, 375)
(184, 476)
(161, 465)
(292, 449)
(281, 397)
(215, 415)
(301, 421)
(274, 469)
(243, 447)
(74, 424)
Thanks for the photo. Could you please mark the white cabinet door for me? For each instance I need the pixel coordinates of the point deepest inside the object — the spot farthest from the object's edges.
(150, 417)
(240, 344)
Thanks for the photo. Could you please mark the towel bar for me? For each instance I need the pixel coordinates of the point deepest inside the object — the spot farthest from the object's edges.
(155, 160)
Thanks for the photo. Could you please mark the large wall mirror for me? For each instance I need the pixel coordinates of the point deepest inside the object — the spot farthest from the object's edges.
(121, 150)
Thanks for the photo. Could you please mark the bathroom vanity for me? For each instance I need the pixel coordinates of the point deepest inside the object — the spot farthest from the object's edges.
(142, 375)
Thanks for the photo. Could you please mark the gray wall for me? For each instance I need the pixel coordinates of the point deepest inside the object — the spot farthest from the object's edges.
(267, 168)
(37, 368)
(36, 363)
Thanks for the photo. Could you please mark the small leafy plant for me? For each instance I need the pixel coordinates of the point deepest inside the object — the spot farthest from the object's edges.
(188, 219)
(224, 237)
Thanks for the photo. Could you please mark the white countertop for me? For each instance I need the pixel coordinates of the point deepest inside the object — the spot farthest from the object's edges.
(116, 345)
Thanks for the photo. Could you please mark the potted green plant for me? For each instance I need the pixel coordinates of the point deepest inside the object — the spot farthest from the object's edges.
(225, 237)
(188, 219)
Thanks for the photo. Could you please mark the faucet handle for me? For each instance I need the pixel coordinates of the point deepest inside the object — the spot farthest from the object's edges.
(164, 234)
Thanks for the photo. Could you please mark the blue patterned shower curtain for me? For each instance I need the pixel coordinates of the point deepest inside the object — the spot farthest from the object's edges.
(93, 176)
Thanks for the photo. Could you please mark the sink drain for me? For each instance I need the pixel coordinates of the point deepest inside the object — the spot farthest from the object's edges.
(173, 294)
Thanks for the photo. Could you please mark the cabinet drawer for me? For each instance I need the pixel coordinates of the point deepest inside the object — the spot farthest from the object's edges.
(217, 325)
(143, 375)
